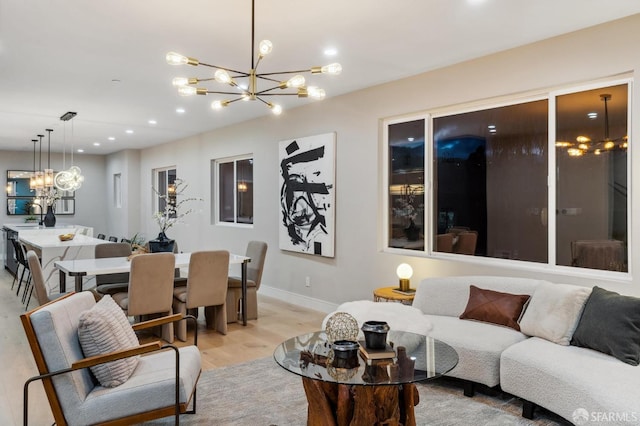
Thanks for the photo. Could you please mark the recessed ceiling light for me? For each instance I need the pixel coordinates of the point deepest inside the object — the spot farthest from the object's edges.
(153, 122)
(592, 115)
(491, 126)
(331, 51)
(129, 131)
(80, 150)
(410, 139)
(180, 110)
(96, 144)
(111, 138)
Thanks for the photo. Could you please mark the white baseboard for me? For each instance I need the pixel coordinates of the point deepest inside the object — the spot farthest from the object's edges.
(298, 299)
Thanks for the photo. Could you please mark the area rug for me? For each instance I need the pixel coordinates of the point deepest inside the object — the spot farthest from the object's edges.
(261, 393)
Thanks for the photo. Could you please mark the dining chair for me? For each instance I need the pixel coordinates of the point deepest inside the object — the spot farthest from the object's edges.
(101, 236)
(112, 283)
(18, 250)
(159, 384)
(444, 242)
(206, 286)
(256, 251)
(150, 291)
(466, 243)
(113, 239)
(37, 279)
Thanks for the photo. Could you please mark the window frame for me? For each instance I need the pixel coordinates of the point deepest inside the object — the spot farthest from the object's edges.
(157, 200)
(429, 179)
(215, 182)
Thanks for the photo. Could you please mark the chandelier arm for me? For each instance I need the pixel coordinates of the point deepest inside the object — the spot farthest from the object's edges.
(244, 74)
(281, 72)
(276, 94)
(222, 93)
(260, 76)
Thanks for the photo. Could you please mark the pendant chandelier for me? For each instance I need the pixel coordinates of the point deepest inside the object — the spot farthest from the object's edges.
(246, 83)
(584, 145)
(70, 179)
(42, 179)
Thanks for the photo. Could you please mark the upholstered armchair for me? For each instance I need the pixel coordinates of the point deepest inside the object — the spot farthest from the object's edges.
(138, 388)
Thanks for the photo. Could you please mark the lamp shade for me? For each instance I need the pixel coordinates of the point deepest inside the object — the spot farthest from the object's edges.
(404, 272)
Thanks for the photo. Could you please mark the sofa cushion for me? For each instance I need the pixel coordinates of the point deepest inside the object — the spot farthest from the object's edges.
(610, 323)
(103, 329)
(494, 306)
(553, 312)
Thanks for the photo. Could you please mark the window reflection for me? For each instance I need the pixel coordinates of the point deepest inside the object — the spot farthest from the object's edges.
(491, 182)
(406, 185)
(591, 148)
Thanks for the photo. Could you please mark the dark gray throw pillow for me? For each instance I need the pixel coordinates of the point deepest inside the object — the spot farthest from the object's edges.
(610, 323)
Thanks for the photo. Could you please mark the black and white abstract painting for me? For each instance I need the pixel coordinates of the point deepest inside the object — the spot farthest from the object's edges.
(307, 194)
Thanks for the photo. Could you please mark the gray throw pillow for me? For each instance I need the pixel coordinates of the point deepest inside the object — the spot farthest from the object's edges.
(103, 329)
(610, 323)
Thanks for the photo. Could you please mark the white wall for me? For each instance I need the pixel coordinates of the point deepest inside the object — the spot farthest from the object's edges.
(123, 221)
(360, 264)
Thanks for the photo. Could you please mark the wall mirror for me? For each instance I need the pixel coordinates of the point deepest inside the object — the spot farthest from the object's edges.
(20, 198)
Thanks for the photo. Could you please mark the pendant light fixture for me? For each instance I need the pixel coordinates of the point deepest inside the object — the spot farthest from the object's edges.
(71, 179)
(48, 172)
(32, 180)
(248, 90)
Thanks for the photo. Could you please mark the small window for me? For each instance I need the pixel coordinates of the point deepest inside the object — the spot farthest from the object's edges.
(164, 188)
(235, 190)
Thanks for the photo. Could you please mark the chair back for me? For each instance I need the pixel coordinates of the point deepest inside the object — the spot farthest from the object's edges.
(113, 239)
(19, 252)
(444, 242)
(207, 278)
(257, 251)
(112, 250)
(151, 283)
(101, 236)
(467, 243)
(52, 332)
(37, 277)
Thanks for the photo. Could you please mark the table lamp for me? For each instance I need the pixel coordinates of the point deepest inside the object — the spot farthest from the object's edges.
(404, 272)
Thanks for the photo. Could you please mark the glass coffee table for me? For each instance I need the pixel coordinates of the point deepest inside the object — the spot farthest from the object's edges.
(373, 390)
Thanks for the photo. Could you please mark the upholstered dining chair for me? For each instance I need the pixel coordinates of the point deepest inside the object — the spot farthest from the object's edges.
(113, 239)
(112, 283)
(444, 242)
(257, 251)
(21, 260)
(159, 384)
(466, 243)
(101, 236)
(150, 290)
(37, 282)
(206, 286)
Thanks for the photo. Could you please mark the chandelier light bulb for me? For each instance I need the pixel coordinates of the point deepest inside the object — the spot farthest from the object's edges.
(187, 90)
(218, 105)
(265, 47)
(222, 76)
(316, 92)
(275, 109)
(295, 81)
(174, 58)
(334, 69)
(609, 145)
(180, 81)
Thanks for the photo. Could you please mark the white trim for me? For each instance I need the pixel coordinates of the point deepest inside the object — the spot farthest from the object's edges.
(298, 299)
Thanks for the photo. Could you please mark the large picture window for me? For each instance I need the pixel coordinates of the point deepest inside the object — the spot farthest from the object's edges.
(543, 180)
(235, 190)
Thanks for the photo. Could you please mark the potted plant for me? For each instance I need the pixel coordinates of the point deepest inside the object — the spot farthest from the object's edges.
(173, 213)
(30, 219)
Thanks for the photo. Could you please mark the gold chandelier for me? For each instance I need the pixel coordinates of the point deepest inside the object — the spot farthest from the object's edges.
(584, 145)
(249, 90)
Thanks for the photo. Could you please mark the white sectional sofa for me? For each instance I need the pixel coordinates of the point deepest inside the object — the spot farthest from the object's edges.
(537, 364)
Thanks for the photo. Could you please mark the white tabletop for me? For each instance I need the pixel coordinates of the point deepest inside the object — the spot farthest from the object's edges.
(114, 265)
(52, 241)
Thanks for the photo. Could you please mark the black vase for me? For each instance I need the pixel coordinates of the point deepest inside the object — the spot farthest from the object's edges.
(49, 218)
(412, 232)
(161, 244)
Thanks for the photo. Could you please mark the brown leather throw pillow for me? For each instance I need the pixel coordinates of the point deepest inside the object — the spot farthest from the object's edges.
(494, 307)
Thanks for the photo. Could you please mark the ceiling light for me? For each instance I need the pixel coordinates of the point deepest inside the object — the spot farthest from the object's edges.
(111, 138)
(70, 179)
(153, 122)
(244, 85)
(129, 131)
(96, 144)
(331, 51)
(80, 150)
(592, 115)
(180, 110)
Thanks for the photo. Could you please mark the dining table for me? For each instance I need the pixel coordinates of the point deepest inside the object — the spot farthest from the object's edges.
(80, 268)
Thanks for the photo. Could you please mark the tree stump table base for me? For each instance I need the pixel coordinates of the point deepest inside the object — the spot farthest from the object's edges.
(332, 404)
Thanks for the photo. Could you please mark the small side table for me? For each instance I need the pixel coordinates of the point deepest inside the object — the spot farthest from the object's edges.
(386, 294)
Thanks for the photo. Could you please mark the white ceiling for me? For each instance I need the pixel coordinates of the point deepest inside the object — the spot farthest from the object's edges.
(64, 55)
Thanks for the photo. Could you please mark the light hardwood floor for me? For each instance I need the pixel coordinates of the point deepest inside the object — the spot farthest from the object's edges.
(277, 322)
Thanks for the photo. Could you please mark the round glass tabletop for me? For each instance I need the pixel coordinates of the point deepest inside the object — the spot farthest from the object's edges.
(312, 356)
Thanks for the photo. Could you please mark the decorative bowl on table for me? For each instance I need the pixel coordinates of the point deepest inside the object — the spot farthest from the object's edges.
(66, 237)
